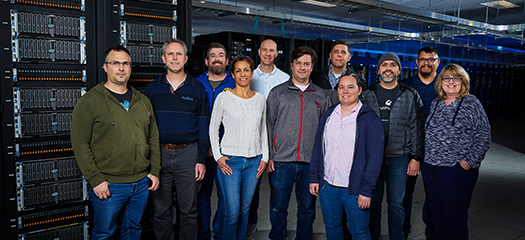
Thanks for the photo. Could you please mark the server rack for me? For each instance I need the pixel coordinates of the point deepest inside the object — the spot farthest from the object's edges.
(52, 53)
(44, 71)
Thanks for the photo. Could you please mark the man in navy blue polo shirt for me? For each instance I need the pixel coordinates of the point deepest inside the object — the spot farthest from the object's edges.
(181, 108)
(423, 82)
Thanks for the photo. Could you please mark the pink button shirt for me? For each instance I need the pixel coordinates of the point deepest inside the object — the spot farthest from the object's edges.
(339, 143)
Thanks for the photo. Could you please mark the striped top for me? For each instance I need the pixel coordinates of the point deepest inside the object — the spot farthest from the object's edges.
(455, 132)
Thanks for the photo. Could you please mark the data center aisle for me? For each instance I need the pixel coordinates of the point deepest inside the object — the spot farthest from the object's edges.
(497, 211)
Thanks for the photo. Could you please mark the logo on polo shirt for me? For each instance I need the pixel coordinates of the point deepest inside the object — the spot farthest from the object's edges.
(187, 98)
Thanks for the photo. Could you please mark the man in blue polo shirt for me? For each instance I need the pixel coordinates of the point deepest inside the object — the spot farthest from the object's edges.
(181, 108)
(423, 82)
(215, 80)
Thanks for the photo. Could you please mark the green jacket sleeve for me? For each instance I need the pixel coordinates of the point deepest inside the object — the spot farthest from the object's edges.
(81, 131)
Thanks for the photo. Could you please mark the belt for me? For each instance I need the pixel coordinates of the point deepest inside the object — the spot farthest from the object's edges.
(170, 146)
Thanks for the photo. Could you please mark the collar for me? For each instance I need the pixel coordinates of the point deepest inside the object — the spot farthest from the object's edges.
(186, 81)
(356, 109)
(261, 73)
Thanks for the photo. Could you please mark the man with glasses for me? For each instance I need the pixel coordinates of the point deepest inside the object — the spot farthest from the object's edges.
(427, 65)
(116, 143)
(402, 114)
(182, 115)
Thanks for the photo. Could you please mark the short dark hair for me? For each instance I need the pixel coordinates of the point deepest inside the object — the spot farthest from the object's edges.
(117, 48)
(304, 50)
(240, 59)
(428, 49)
(359, 80)
(338, 42)
(175, 40)
(215, 45)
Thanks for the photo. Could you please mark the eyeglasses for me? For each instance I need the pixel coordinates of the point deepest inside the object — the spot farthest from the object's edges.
(430, 60)
(447, 79)
(116, 64)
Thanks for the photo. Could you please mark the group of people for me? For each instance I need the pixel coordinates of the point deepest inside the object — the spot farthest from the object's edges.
(325, 134)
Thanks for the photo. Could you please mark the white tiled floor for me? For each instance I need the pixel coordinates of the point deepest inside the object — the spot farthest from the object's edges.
(497, 211)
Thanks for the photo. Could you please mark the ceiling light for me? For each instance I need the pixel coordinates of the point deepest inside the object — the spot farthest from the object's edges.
(318, 3)
(500, 4)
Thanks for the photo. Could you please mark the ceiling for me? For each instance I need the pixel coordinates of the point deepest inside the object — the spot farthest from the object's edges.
(390, 25)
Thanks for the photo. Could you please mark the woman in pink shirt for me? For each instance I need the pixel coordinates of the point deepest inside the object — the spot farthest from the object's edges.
(346, 161)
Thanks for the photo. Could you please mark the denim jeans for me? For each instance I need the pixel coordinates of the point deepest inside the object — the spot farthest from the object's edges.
(127, 200)
(237, 192)
(177, 173)
(335, 200)
(394, 173)
(281, 183)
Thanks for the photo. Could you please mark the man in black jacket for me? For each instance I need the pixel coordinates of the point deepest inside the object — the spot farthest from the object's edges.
(328, 77)
(402, 114)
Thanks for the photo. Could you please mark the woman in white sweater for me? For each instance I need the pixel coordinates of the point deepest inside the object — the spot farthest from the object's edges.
(242, 153)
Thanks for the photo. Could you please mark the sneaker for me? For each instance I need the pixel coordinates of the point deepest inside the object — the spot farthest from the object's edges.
(252, 229)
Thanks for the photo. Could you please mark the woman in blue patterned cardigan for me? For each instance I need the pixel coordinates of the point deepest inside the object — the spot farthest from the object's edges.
(457, 136)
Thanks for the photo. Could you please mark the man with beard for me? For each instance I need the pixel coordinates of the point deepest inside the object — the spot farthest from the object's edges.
(402, 114)
(177, 97)
(215, 80)
(328, 77)
(427, 64)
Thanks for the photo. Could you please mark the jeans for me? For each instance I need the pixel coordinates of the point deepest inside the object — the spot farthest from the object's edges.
(127, 200)
(449, 193)
(335, 200)
(178, 171)
(237, 192)
(204, 204)
(281, 183)
(394, 173)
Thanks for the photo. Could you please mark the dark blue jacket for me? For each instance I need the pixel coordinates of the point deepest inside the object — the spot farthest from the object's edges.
(182, 116)
(368, 152)
(227, 84)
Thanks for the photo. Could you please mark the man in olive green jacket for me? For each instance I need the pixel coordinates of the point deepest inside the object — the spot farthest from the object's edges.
(116, 143)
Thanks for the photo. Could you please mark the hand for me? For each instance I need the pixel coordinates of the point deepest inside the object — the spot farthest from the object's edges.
(260, 170)
(464, 164)
(270, 167)
(362, 201)
(154, 182)
(200, 170)
(223, 166)
(210, 152)
(413, 168)
(102, 191)
(314, 189)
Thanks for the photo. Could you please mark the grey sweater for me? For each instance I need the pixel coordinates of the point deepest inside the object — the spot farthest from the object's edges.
(292, 119)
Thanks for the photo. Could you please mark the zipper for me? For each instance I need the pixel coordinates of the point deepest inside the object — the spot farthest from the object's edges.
(300, 130)
(135, 143)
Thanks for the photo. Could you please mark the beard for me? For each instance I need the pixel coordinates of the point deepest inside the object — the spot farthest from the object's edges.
(217, 69)
(388, 80)
(425, 74)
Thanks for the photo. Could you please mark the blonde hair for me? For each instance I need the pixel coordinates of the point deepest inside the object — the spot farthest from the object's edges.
(457, 71)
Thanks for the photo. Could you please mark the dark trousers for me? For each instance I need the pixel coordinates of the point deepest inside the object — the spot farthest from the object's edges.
(449, 194)
(178, 172)
(204, 202)
(407, 205)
